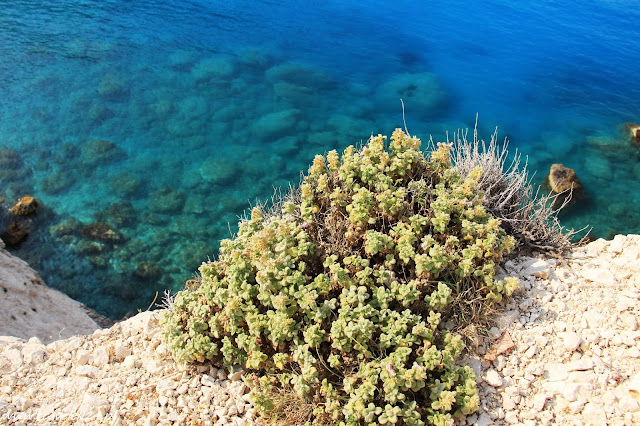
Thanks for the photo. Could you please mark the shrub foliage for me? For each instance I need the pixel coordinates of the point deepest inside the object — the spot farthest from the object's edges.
(336, 295)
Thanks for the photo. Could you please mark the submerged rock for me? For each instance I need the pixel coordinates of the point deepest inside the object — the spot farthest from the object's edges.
(166, 200)
(56, 182)
(88, 248)
(62, 156)
(148, 271)
(181, 59)
(102, 232)
(300, 76)
(217, 170)
(276, 124)
(25, 206)
(214, 69)
(99, 113)
(422, 93)
(121, 214)
(100, 151)
(113, 88)
(124, 184)
(9, 159)
(16, 233)
(564, 182)
(69, 226)
(11, 166)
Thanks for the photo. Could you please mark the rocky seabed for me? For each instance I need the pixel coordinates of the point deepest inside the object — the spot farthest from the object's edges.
(565, 350)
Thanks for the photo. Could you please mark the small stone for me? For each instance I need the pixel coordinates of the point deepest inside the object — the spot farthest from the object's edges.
(222, 375)
(495, 332)
(556, 372)
(22, 404)
(633, 386)
(539, 401)
(511, 417)
(546, 417)
(33, 354)
(537, 268)
(131, 361)
(14, 356)
(182, 389)
(207, 380)
(625, 303)
(528, 415)
(595, 413)
(88, 371)
(571, 340)
(82, 357)
(531, 352)
(49, 381)
(628, 404)
(162, 400)
(508, 403)
(601, 276)
(121, 351)
(100, 356)
(617, 244)
(153, 366)
(93, 404)
(570, 391)
(631, 322)
(580, 365)
(236, 376)
(576, 406)
(484, 420)
(492, 377)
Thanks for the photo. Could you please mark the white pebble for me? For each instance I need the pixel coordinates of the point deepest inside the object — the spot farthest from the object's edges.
(571, 340)
(492, 377)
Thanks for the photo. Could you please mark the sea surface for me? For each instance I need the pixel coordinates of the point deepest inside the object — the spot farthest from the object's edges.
(167, 119)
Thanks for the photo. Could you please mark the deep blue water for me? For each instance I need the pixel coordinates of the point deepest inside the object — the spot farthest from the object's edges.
(210, 105)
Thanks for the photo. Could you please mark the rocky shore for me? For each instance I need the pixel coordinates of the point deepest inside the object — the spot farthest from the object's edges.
(566, 351)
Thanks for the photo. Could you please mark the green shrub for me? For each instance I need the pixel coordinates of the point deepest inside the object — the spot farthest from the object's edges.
(334, 298)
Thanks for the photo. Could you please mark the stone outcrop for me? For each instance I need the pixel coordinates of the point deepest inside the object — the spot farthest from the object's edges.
(99, 231)
(564, 182)
(634, 132)
(565, 350)
(15, 233)
(25, 206)
(29, 308)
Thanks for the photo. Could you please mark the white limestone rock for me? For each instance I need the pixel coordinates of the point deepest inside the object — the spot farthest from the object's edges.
(571, 341)
(29, 308)
(492, 377)
(537, 268)
(599, 275)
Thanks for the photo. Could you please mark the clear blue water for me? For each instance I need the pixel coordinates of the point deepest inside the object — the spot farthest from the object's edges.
(210, 105)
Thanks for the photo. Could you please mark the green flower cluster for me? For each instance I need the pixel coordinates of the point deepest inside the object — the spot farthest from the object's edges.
(338, 293)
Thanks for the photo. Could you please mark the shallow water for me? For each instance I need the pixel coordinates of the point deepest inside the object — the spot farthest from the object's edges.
(210, 105)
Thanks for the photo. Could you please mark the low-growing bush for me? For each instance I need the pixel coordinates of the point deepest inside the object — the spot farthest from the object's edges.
(333, 298)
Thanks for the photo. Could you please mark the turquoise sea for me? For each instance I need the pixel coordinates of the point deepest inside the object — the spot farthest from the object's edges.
(167, 119)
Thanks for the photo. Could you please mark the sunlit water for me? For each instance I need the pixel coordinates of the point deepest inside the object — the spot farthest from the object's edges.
(210, 105)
